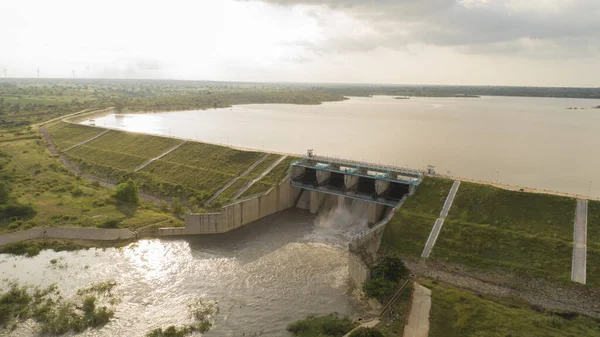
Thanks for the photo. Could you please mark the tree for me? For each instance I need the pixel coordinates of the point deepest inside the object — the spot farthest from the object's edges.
(176, 206)
(4, 192)
(128, 193)
(379, 288)
(390, 268)
(366, 332)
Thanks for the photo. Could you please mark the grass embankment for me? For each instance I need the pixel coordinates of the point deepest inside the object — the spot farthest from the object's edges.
(271, 179)
(321, 326)
(460, 313)
(200, 169)
(492, 228)
(593, 244)
(60, 198)
(65, 135)
(409, 229)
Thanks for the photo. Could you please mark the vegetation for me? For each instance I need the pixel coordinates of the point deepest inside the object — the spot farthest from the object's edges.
(201, 312)
(41, 192)
(366, 332)
(56, 315)
(128, 193)
(65, 135)
(409, 229)
(321, 326)
(507, 231)
(228, 194)
(32, 248)
(593, 244)
(273, 178)
(457, 312)
(386, 273)
(392, 321)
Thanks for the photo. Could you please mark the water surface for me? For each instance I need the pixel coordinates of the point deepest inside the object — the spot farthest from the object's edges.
(522, 141)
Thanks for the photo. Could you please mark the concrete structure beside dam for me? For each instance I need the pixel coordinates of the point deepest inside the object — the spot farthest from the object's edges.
(313, 183)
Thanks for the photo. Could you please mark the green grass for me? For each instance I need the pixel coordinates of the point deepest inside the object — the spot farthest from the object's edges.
(321, 326)
(213, 157)
(529, 213)
(60, 198)
(409, 229)
(460, 313)
(395, 327)
(593, 244)
(489, 228)
(486, 247)
(31, 248)
(271, 179)
(122, 150)
(65, 135)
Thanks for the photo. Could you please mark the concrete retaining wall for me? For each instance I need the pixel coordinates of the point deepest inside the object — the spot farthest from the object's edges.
(239, 213)
(71, 233)
(358, 270)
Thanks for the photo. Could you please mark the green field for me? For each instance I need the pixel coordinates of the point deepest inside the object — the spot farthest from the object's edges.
(242, 181)
(59, 198)
(409, 229)
(528, 213)
(271, 179)
(122, 150)
(460, 313)
(65, 135)
(494, 229)
(593, 244)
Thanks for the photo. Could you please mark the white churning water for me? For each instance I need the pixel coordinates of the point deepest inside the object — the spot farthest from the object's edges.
(522, 141)
(263, 276)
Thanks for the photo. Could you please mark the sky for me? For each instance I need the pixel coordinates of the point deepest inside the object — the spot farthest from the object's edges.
(464, 42)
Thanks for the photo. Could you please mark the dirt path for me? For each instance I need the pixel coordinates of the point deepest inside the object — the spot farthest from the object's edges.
(417, 324)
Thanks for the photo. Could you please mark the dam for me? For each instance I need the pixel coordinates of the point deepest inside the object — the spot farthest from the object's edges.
(314, 183)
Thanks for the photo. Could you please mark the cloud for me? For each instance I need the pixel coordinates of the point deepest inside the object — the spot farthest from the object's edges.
(474, 26)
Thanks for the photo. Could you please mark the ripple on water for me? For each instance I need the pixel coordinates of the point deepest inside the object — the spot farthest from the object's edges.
(264, 276)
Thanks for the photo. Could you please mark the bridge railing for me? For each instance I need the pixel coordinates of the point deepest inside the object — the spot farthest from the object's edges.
(366, 164)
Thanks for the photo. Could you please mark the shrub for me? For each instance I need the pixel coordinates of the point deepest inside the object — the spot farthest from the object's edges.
(76, 191)
(379, 288)
(177, 207)
(390, 268)
(366, 332)
(128, 193)
(112, 223)
(18, 210)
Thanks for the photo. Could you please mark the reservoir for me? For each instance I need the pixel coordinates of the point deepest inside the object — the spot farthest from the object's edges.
(521, 141)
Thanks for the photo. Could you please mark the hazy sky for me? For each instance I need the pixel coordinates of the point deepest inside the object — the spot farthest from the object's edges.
(505, 42)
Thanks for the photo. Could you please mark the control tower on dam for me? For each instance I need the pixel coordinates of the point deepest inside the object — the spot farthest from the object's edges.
(380, 186)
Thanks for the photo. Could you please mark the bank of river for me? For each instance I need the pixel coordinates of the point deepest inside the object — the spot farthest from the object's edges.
(264, 276)
(521, 141)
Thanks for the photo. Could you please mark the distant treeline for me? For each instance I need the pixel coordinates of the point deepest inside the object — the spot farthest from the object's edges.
(452, 90)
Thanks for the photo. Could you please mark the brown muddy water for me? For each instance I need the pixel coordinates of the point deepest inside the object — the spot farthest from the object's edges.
(263, 276)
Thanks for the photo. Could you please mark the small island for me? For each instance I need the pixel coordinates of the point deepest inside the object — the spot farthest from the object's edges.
(597, 107)
(402, 97)
(467, 96)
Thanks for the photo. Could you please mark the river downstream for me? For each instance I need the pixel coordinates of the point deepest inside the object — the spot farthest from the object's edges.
(521, 141)
(263, 276)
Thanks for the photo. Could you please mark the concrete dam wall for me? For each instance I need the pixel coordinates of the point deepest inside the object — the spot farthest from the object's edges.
(239, 213)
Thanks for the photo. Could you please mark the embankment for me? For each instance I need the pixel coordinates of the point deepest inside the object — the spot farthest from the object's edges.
(68, 233)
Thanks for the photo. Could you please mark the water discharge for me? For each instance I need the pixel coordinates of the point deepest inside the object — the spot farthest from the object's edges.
(264, 275)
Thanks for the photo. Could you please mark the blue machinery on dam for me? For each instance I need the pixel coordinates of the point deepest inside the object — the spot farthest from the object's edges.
(379, 184)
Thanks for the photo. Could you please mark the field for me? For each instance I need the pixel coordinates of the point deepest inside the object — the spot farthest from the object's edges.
(242, 181)
(409, 229)
(494, 229)
(460, 313)
(122, 150)
(271, 179)
(593, 244)
(65, 135)
(59, 198)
